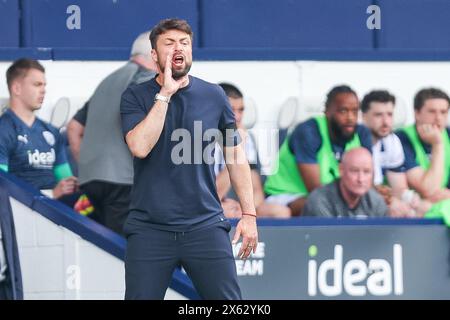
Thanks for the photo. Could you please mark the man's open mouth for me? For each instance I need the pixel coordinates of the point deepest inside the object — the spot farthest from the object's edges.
(178, 60)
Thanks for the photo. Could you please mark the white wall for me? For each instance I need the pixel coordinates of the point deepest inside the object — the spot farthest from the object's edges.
(268, 84)
(58, 264)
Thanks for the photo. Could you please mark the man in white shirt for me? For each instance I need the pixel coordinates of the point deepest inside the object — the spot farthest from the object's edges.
(378, 110)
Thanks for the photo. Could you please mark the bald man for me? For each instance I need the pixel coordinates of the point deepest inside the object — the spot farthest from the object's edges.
(352, 195)
(105, 164)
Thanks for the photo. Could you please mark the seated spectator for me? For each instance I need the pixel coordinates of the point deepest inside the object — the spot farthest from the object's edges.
(30, 148)
(10, 274)
(350, 196)
(309, 157)
(105, 164)
(426, 145)
(378, 110)
(227, 196)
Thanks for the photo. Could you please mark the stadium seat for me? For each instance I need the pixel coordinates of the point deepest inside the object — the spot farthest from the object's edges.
(287, 117)
(251, 113)
(401, 113)
(60, 113)
(3, 104)
(310, 107)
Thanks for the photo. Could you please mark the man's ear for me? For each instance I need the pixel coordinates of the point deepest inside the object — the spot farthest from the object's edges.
(341, 169)
(16, 88)
(416, 114)
(154, 55)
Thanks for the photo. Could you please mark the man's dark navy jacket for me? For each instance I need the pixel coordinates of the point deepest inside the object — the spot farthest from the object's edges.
(13, 274)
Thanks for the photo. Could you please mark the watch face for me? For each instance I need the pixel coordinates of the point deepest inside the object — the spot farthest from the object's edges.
(161, 97)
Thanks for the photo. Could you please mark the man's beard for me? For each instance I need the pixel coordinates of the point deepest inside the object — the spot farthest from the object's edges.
(178, 74)
(339, 134)
(379, 136)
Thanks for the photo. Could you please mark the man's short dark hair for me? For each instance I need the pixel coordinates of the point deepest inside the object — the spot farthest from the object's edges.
(169, 24)
(336, 91)
(426, 94)
(231, 91)
(382, 96)
(20, 68)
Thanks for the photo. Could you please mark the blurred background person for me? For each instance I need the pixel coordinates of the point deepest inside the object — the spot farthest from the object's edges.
(426, 146)
(390, 181)
(105, 164)
(30, 148)
(310, 156)
(225, 191)
(352, 194)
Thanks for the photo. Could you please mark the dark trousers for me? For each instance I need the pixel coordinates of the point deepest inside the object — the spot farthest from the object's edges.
(110, 201)
(206, 255)
(70, 199)
(4, 291)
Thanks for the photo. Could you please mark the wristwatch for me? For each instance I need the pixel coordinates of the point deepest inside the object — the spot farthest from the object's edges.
(162, 98)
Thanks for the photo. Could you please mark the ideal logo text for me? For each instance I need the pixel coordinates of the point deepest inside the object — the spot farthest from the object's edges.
(355, 277)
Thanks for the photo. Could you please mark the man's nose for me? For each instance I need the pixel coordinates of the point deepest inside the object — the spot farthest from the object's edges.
(360, 176)
(439, 119)
(351, 117)
(178, 46)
